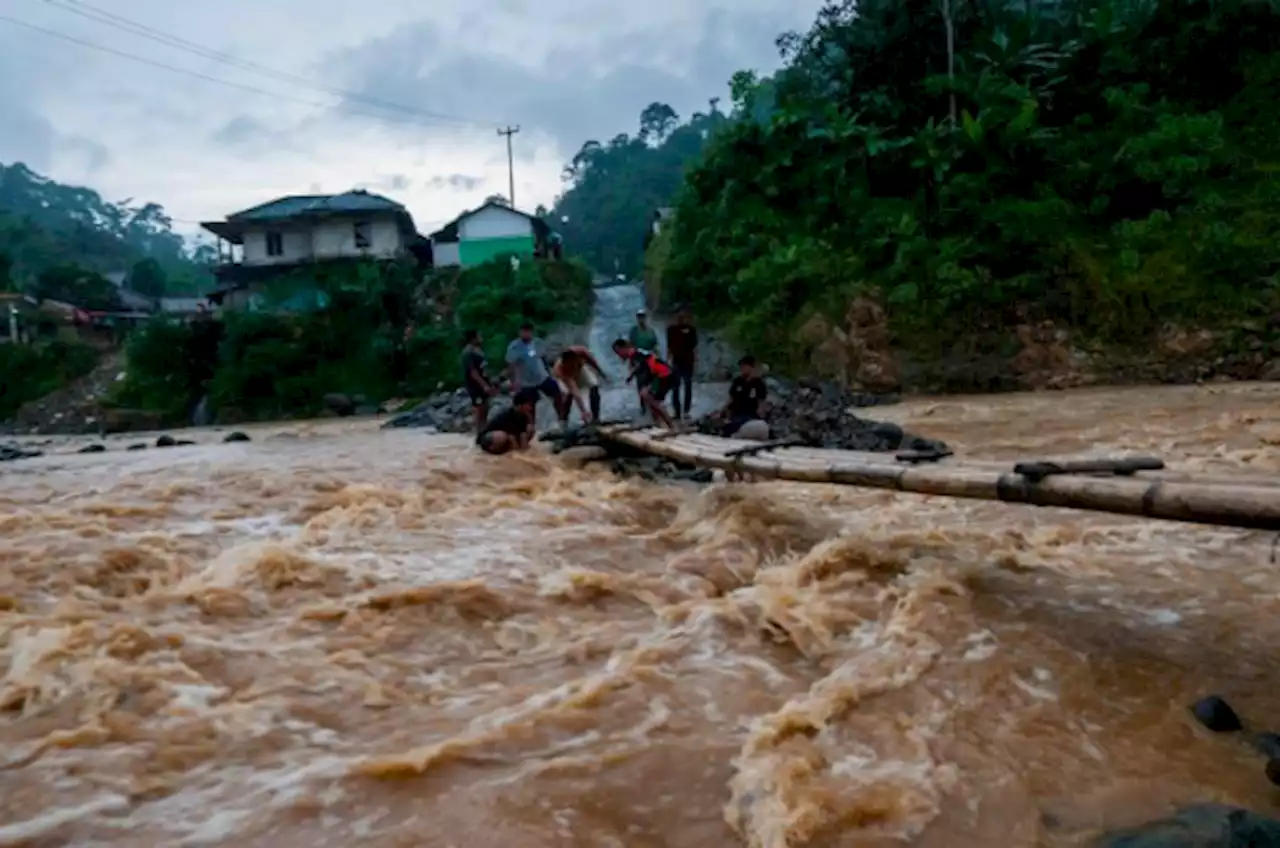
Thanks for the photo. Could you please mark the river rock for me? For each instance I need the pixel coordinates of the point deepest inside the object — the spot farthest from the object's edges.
(447, 412)
(1217, 715)
(166, 441)
(8, 453)
(237, 436)
(93, 449)
(821, 413)
(1199, 826)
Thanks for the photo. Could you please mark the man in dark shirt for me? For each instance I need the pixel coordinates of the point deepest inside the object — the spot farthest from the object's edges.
(682, 346)
(512, 428)
(479, 387)
(747, 394)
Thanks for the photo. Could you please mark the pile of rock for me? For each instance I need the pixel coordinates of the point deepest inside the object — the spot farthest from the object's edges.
(822, 413)
(448, 412)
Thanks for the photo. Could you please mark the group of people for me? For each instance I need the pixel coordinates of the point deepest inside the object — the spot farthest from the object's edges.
(575, 378)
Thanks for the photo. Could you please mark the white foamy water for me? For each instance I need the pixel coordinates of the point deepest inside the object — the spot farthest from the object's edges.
(336, 635)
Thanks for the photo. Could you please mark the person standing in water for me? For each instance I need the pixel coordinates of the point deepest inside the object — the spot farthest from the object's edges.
(512, 428)
(575, 369)
(643, 337)
(653, 378)
(479, 387)
(527, 368)
(682, 347)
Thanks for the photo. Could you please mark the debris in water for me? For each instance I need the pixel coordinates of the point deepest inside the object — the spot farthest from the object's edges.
(1217, 715)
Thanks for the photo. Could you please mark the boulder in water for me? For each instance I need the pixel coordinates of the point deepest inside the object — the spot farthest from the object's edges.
(166, 441)
(1199, 826)
(92, 449)
(8, 453)
(1217, 715)
(236, 436)
(422, 415)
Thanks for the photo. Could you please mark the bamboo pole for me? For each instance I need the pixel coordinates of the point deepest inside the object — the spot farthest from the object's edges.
(806, 456)
(1189, 498)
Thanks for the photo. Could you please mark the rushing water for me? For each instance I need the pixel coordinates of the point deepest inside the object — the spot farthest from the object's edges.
(335, 636)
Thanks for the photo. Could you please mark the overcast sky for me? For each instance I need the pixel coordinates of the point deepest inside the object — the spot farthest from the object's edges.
(563, 70)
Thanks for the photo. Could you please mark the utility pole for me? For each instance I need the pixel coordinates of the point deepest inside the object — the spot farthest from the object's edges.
(511, 166)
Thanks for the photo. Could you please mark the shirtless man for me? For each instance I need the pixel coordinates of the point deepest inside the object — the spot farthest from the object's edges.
(575, 369)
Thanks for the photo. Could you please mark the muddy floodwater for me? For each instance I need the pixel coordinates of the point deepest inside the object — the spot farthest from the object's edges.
(339, 636)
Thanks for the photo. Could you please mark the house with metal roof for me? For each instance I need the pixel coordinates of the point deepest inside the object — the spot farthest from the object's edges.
(494, 229)
(261, 242)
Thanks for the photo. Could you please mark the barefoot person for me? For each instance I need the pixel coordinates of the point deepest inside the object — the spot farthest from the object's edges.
(653, 378)
(527, 368)
(512, 428)
(479, 387)
(576, 369)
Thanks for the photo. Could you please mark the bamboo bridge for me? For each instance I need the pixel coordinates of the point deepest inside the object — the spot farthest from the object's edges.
(1126, 485)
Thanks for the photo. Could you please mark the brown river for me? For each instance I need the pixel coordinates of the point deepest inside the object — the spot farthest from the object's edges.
(337, 636)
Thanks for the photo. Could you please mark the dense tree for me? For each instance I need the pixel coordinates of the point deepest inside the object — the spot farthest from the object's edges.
(613, 189)
(148, 278)
(6, 273)
(75, 285)
(1108, 164)
(45, 223)
(656, 123)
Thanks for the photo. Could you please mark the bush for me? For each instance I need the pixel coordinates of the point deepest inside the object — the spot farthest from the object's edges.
(168, 365)
(349, 336)
(29, 372)
(1111, 178)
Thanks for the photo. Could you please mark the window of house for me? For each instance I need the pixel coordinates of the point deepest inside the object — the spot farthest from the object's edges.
(364, 235)
(275, 244)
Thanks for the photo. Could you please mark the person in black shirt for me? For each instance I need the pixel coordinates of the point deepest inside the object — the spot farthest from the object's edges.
(682, 348)
(747, 394)
(512, 428)
(479, 387)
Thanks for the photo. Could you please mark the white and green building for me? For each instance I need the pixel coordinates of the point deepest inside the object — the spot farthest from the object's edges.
(492, 230)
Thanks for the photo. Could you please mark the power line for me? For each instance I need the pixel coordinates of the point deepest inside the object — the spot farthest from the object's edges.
(93, 13)
(196, 74)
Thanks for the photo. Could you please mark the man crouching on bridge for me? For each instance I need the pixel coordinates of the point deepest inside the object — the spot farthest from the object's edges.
(653, 377)
(511, 429)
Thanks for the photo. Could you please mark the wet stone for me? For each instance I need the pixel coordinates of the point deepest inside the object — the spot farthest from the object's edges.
(1217, 715)
(1200, 826)
(237, 436)
(9, 453)
(822, 415)
(93, 449)
(137, 447)
(166, 442)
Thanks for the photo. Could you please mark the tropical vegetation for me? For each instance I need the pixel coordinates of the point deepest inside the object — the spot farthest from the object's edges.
(1110, 165)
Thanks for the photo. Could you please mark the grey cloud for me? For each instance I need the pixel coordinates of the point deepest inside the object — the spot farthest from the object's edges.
(251, 135)
(95, 155)
(573, 95)
(460, 182)
(25, 134)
